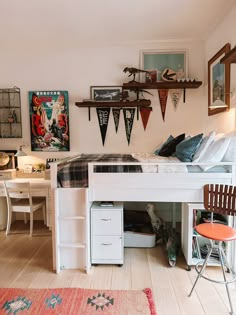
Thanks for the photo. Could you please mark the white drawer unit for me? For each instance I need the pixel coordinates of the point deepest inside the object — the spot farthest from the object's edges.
(107, 236)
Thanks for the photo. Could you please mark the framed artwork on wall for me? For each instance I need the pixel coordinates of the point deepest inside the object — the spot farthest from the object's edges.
(49, 121)
(218, 83)
(106, 93)
(157, 61)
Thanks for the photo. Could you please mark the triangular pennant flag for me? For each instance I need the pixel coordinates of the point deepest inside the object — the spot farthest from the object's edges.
(116, 116)
(103, 118)
(145, 113)
(129, 119)
(163, 94)
(175, 96)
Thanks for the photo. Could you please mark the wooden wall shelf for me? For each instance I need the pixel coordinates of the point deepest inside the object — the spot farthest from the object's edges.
(163, 85)
(114, 104)
(230, 57)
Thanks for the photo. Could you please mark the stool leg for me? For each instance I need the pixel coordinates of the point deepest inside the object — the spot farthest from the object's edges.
(223, 264)
(202, 269)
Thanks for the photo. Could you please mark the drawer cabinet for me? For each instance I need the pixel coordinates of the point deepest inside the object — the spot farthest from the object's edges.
(107, 241)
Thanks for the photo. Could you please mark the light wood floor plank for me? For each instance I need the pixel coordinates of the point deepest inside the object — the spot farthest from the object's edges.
(27, 263)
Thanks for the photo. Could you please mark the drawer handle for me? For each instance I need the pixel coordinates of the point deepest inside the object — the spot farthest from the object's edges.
(106, 244)
(105, 219)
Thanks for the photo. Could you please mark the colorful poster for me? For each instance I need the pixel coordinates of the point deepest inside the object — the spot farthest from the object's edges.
(145, 113)
(163, 95)
(129, 119)
(49, 120)
(175, 95)
(116, 116)
(103, 119)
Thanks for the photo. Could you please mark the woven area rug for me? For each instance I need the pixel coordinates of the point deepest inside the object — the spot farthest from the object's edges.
(76, 301)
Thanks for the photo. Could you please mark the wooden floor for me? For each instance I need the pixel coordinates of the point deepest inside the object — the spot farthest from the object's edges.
(27, 263)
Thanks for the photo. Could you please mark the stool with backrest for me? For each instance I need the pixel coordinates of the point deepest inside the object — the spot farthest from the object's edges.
(19, 199)
(218, 199)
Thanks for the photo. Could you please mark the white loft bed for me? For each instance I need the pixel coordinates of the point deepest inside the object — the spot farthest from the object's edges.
(118, 186)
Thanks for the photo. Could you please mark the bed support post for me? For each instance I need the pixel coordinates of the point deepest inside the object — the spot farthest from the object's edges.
(174, 215)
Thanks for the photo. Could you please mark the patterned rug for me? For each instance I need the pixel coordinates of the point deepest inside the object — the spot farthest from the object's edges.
(76, 301)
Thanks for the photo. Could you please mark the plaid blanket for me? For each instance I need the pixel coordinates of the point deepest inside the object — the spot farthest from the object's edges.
(75, 173)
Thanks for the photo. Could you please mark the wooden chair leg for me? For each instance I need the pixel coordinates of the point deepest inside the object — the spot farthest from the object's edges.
(25, 217)
(9, 218)
(44, 214)
(31, 223)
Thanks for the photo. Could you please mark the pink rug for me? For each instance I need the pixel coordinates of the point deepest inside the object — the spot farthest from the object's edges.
(76, 301)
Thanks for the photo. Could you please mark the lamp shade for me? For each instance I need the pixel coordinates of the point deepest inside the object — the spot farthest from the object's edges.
(20, 152)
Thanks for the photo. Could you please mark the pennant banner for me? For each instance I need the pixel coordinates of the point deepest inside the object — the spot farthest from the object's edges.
(103, 119)
(129, 119)
(116, 116)
(175, 97)
(145, 113)
(163, 95)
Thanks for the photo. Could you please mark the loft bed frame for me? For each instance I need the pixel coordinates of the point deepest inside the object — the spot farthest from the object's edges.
(133, 187)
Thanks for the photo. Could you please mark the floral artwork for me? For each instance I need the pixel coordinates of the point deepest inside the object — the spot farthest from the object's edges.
(49, 120)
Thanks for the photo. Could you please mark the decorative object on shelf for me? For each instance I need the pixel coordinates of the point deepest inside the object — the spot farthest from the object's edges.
(151, 76)
(145, 113)
(20, 152)
(218, 83)
(169, 75)
(10, 113)
(106, 93)
(129, 119)
(116, 117)
(103, 119)
(161, 60)
(163, 95)
(133, 71)
(175, 97)
(8, 159)
(49, 120)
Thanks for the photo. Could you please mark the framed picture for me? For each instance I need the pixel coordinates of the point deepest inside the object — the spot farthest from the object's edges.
(106, 93)
(10, 162)
(218, 83)
(156, 61)
(49, 121)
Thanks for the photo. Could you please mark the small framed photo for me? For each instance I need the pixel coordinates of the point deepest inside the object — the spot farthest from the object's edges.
(218, 83)
(106, 93)
(157, 61)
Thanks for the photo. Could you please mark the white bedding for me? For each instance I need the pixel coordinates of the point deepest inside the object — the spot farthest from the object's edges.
(152, 158)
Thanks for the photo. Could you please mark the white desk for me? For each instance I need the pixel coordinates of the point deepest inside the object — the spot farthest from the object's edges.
(39, 188)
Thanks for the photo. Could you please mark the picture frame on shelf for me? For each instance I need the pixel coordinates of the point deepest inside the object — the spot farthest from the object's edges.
(160, 60)
(218, 83)
(106, 93)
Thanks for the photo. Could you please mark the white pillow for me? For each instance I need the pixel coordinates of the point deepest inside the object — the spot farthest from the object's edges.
(206, 141)
(215, 152)
(230, 154)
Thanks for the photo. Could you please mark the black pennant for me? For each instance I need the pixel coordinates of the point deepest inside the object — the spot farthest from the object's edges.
(129, 119)
(103, 119)
(116, 116)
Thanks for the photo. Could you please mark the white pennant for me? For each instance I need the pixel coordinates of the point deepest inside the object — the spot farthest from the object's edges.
(175, 97)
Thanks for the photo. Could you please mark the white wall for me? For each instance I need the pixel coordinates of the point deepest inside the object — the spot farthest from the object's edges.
(72, 66)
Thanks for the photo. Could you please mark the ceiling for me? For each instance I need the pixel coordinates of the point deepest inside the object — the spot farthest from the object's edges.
(110, 21)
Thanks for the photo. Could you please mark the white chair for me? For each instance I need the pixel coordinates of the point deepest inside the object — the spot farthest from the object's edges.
(19, 199)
